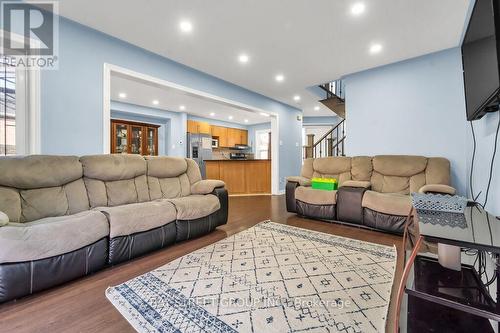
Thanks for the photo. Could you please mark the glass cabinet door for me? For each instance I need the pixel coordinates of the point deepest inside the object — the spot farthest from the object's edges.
(151, 142)
(121, 132)
(136, 139)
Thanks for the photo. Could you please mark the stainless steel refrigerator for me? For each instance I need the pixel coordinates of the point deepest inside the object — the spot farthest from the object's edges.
(199, 148)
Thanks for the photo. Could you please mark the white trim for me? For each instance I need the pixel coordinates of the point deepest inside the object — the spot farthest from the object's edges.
(110, 68)
(28, 122)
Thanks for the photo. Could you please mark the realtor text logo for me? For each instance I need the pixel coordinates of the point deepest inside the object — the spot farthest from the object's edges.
(30, 33)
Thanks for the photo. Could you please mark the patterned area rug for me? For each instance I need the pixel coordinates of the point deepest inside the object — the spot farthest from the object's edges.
(269, 278)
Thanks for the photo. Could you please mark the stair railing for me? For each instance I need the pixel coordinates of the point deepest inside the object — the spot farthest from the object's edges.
(332, 143)
(334, 89)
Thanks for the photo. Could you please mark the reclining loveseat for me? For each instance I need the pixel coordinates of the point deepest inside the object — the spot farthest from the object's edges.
(63, 217)
(374, 192)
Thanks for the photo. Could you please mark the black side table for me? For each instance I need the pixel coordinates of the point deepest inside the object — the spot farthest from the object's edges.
(458, 300)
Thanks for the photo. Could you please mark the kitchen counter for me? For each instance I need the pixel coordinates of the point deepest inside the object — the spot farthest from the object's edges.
(242, 177)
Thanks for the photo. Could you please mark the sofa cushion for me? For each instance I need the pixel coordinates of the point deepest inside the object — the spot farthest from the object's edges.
(338, 167)
(316, 197)
(38, 171)
(114, 180)
(138, 217)
(387, 203)
(51, 236)
(195, 206)
(166, 166)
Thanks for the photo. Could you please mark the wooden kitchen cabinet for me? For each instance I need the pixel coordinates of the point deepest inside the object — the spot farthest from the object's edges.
(198, 127)
(221, 133)
(228, 136)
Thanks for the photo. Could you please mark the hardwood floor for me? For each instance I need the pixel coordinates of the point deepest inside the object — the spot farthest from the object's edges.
(81, 306)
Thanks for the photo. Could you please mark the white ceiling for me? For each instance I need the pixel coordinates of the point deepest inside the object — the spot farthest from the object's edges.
(141, 93)
(310, 42)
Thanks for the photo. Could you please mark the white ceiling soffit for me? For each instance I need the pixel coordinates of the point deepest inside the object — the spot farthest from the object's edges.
(309, 42)
(169, 99)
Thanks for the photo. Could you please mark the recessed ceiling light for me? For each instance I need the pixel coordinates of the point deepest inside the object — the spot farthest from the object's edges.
(296, 98)
(358, 8)
(182, 108)
(186, 26)
(264, 114)
(243, 58)
(375, 48)
(230, 117)
(246, 120)
(279, 77)
(156, 102)
(122, 95)
(212, 114)
(316, 108)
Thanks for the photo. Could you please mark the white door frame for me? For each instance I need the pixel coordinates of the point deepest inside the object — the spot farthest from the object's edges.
(106, 111)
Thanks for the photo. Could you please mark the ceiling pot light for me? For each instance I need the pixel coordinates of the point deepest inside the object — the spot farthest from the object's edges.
(156, 102)
(296, 98)
(246, 120)
(279, 78)
(375, 48)
(243, 58)
(230, 117)
(358, 8)
(122, 95)
(212, 114)
(186, 26)
(316, 108)
(182, 108)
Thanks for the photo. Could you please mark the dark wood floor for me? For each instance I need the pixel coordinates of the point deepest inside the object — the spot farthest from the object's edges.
(81, 306)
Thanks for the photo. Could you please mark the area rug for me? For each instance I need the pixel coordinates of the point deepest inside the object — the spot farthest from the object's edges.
(269, 278)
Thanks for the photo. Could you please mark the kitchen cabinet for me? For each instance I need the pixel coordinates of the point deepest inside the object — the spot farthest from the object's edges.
(220, 132)
(129, 137)
(241, 177)
(198, 127)
(228, 136)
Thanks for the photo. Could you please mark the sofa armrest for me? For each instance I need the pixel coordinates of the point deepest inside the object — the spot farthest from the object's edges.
(206, 186)
(357, 183)
(437, 188)
(302, 181)
(220, 216)
(4, 219)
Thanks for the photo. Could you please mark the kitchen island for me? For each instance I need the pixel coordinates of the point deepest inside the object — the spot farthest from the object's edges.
(242, 177)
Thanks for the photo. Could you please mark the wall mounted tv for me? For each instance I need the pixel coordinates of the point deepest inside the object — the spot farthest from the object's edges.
(480, 57)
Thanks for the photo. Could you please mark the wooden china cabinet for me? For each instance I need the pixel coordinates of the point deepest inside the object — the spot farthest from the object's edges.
(128, 137)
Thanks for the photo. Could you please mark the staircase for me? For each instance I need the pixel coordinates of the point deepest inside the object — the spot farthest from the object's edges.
(330, 144)
(334, 97)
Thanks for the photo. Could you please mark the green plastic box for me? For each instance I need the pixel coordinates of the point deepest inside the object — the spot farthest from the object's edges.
(326, 184)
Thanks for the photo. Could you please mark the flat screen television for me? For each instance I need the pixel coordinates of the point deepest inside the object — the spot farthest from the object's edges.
(480, 57)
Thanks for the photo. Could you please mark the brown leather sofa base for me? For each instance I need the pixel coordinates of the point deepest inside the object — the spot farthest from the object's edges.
(131, 246)
(25, 278)
(323, 212)
(381, 221)
(349, 207)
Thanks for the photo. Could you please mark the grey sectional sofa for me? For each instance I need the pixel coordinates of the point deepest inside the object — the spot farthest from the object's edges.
(63, 217)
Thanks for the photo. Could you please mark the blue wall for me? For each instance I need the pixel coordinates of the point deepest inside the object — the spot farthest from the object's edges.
(71, 101)
(414, 107)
